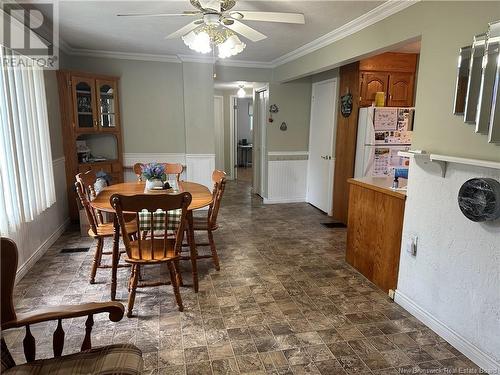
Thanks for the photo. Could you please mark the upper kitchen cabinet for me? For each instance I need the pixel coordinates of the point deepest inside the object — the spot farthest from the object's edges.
(370, 84)
(400, 89)
(391, 73)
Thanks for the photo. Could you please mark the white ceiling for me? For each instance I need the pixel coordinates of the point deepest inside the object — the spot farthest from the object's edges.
(93, 25)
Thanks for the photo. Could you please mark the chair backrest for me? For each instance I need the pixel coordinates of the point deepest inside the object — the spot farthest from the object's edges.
(8, 257)
(219, 180)
(138, 170)
(94, 217)
(88, 180)
(127, 204)
(174, 168)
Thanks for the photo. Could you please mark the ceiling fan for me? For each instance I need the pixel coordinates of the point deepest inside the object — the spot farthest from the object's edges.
(217, 23)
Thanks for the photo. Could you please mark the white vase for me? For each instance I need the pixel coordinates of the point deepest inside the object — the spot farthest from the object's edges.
(152, 184)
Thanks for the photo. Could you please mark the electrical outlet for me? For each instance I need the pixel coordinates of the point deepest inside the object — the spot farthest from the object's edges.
(411, 246)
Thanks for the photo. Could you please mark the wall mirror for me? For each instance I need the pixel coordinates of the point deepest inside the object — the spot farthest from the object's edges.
(494, 115)
(462, 80)
(489, 70)
(474, 83)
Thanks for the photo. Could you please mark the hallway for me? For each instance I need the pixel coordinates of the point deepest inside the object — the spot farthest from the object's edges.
(284, 302)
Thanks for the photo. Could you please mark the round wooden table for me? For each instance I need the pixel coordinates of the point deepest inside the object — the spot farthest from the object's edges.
(201, 197)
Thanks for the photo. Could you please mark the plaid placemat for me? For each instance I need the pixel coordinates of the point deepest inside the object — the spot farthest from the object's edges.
(159, 218)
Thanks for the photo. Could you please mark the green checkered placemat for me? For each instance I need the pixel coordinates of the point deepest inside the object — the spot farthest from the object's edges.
(159, 218)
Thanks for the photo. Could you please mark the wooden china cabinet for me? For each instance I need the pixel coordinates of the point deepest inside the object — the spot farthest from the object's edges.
(90, 116)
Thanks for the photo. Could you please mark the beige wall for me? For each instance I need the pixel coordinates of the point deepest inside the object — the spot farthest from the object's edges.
(444, 27)
(152, 101)
(294, 102)
(199, 108)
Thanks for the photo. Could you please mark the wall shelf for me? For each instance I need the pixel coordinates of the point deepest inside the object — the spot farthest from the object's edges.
(443, 160)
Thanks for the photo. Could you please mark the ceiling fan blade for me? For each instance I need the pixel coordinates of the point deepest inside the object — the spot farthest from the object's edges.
(211, 4)
(183, 30)
(186, 13)
(246, 31)
(269, 16)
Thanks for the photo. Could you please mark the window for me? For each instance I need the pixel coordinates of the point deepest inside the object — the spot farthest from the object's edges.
(26, 175)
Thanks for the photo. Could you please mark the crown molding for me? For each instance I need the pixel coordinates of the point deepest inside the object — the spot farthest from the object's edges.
(377, 14)
(123, 55)
(373, 16)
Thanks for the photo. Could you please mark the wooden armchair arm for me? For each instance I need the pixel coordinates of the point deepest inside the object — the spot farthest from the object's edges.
(115, 310)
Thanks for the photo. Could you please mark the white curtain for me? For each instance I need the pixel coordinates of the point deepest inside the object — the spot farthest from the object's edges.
(26, 174)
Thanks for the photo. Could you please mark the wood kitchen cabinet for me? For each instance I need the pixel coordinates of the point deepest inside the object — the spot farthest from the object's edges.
(371, 83)
(374, 229)
(400, 89)
(391, 73)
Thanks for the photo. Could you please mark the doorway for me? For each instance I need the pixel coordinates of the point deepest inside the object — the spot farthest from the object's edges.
(321, 162)
(243, 126)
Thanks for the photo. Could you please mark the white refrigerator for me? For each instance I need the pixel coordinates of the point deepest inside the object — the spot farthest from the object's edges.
(382, 133)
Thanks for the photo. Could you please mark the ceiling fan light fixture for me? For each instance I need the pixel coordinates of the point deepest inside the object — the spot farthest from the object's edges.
(198, 41)
(241, 92)
(236, 15)
(231, 46)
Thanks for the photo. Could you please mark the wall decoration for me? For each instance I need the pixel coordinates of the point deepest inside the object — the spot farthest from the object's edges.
(283, 126)
(479, 199)
(273, 108)
(346, 104)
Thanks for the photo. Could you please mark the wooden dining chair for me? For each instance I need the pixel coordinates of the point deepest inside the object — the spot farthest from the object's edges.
(174, 169)
(208, 224)
(111, 359)
(161, 245)
(138, 170)
(99, 230)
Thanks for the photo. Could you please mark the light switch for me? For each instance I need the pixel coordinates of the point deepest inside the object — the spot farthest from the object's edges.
(411, 246)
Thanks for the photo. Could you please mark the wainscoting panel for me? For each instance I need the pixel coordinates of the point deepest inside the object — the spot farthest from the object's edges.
(286, 181)
(199, 168)
(129, 159)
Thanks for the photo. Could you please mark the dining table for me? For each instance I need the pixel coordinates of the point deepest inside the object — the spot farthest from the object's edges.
(201, 197)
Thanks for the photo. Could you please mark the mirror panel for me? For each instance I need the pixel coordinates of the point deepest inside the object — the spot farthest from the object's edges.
(462, 80)
(494, 117)
(489, 70)
(474, 83)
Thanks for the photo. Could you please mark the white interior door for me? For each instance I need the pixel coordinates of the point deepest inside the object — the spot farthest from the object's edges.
(219, 131)
(321, 133)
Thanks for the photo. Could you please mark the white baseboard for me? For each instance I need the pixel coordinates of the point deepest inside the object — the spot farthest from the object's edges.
(284, 200)
(483, 360)
(42, 249)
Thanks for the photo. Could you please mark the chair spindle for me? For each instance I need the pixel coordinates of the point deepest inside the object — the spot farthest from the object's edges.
(29, 345)
(58, 339)
(87, 341)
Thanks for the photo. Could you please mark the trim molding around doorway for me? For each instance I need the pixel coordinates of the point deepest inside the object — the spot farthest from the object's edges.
(233, 134)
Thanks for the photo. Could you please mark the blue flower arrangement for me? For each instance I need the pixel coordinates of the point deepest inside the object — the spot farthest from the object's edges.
(154, 171)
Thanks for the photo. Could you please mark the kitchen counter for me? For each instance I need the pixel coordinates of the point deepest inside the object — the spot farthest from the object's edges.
(381, 184)
(374, 229)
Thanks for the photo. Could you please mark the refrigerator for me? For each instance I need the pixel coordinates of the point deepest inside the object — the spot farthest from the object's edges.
(382, 133)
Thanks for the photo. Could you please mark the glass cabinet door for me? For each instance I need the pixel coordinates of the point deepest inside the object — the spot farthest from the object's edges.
(84, 98)
(108, 111)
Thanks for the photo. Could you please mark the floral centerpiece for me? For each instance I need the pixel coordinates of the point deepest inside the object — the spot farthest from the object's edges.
(154, 173)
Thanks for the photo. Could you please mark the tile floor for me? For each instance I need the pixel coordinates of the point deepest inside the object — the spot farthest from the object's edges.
(284, 302)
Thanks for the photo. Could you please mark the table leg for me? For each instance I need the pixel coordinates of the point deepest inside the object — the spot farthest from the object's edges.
(115, 256)
(193, 251)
